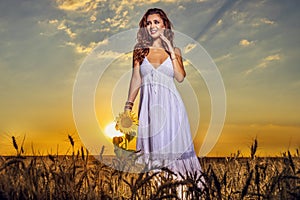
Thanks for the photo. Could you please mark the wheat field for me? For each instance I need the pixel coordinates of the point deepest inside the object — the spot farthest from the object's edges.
(81, 176)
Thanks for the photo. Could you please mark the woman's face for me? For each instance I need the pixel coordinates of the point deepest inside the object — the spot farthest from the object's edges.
(155, 25)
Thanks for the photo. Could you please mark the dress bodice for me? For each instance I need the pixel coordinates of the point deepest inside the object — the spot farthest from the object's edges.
(165, 68)
(157, 77)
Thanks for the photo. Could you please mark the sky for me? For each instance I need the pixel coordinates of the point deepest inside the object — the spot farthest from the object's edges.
(254, 44)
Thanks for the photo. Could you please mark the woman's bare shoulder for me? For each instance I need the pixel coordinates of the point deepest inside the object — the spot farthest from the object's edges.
(177, 49)
(135, 61)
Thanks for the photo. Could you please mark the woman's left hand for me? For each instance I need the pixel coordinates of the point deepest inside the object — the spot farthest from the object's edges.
(165, 39)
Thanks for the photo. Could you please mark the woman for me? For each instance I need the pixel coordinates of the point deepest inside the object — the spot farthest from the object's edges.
(164, 136)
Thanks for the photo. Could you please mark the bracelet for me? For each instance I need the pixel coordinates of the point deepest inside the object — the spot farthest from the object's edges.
(173, 58)
(127, 108)
(129, 103)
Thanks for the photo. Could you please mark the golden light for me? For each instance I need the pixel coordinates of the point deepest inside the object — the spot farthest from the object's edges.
(111, 132)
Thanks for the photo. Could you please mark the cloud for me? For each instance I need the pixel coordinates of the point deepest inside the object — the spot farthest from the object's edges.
(189, 47)
(62, 26)
(224, 57)
(85, 6)
(105, 41)
(53, 21)
(239, 16)
(262, 21)
(272, 57)
(77, 5)
(245, 43)
(49, 27)
(181, 7)
(109, 54)
(69, 32)
(267, 21)
(93, 18)
(107, 29)
(120, 18)
(85, 49)
(81, 49)
(265, 62)
(117, 21)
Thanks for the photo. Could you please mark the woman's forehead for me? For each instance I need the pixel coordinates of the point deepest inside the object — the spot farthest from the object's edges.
(154, 17)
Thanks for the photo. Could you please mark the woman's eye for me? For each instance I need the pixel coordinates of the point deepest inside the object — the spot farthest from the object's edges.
(156, 22)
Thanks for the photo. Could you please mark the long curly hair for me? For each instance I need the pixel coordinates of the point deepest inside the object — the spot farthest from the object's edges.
(144, 40)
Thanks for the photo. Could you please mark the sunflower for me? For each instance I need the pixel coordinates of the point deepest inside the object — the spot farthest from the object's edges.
(127, 122)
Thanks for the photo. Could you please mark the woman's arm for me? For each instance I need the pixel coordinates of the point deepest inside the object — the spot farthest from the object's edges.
(179, 72)
(134, 86)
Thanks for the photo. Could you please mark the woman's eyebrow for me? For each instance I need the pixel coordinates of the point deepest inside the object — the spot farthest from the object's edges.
(155, 20)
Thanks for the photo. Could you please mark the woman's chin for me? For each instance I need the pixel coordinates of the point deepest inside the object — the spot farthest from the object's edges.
(155, 36)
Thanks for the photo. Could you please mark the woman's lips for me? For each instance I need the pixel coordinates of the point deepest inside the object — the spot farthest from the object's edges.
(153, 31)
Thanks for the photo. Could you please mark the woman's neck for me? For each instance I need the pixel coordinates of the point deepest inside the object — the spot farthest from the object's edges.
(157, 43)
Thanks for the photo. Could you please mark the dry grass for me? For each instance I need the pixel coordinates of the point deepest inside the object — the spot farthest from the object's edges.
(79, 176)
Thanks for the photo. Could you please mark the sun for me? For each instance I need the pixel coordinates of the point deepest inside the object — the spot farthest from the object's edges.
(111, 132)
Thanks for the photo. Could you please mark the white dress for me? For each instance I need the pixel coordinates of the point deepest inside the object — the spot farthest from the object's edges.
(164, 136)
